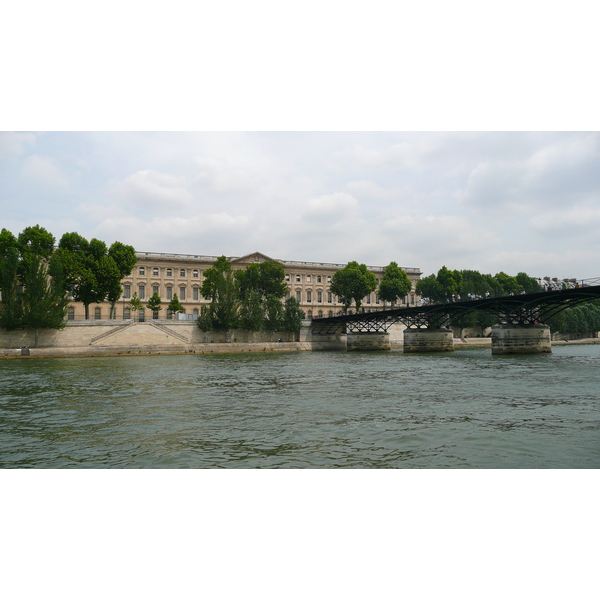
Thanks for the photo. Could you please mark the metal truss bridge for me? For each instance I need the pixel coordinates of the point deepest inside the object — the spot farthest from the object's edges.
(522, 309)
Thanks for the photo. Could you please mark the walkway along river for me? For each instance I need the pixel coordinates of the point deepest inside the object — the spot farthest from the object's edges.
(465, 409)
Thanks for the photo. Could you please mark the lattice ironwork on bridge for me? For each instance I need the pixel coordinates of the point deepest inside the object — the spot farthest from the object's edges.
(521, 309)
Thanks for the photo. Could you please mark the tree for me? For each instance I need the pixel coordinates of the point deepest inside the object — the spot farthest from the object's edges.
(507, 284)
(292, 316)
(154, 304)
(34, 242)
(11, 304)
(529, 284)
(251, 311)
(124, 258)
(394, 285)
(175, 305)
(430, 289)
(135, 304)
(353, 283)
(450, 282)
(45, 298)
(93, 272)
(220, 286)
(274, 316)
(268, 278)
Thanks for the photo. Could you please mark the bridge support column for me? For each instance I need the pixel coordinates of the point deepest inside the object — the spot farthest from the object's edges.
(368, 341)
(521, 339)
(428, 340)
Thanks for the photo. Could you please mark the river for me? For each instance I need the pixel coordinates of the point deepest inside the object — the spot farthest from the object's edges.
(465, 409)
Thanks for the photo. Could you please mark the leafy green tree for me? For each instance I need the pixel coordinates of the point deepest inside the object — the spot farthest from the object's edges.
(352, 284)
(529, 284)
(430, 289)
(11, 303)
(175, 305)
(251, 311)
(220, 286)
(507, 284)
(124, 258)
(292, 316)
(45, 298)
(154, 304)
(34, 242)
(268, 278)
(274, 314)
(450, 281)
(135, 304)
(394, 285)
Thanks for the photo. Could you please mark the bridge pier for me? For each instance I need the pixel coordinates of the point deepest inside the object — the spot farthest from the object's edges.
(521, 339)
(368, 341)
(428, 340)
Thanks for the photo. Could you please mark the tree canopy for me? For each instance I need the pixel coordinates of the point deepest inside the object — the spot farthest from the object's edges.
(395, 284)
(353, 283)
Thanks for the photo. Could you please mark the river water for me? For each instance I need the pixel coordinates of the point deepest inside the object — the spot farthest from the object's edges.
(465, 409)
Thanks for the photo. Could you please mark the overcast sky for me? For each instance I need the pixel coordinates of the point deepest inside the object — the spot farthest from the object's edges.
(487, 201)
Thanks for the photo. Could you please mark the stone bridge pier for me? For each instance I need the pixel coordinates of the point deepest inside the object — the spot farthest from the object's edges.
(509, 338)
(428, 340)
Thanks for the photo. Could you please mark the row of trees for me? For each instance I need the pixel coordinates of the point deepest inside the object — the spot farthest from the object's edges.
(38, 278)
(449, 284)
(352, 283)
(250, 299)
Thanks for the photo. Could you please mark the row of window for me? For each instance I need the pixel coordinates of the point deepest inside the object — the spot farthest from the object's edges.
(127, 313)
(169, 272)
(308, 278)
(181, 292)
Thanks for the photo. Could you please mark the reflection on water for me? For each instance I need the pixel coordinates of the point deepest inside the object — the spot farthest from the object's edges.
(304, 410)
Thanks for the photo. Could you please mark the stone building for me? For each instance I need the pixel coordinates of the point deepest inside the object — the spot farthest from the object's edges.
(182, 274)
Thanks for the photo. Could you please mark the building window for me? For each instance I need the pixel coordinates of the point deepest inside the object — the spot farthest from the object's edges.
(97, 313)
(155, 290)
(71, 313)
(299, 295)
(320, 314)
(126, 313)
(376, 298)
(142, 292)
(309, 314)
(155, 271)
(169, 272)
(181, 272)
(141, 314)
(308, 296)
(169, 292)
(142, 270)
(297, 278)
(287, 276)
(329, 297)
(319, 296)
(182, 292)
(308, 278)
(319, 279)
(330, 313)
(368, 299)
(195, 273)
(195, 293)
(195, 312)
(328, 278)
(127, 291)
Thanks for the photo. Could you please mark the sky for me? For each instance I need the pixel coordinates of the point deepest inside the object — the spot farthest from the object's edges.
(490, 201)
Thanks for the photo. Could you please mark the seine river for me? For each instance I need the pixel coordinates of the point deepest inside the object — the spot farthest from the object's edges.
(466, 409)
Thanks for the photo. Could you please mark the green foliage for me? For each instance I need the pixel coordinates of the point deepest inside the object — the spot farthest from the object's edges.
(529, 284)
(135, 304)
(274, 314)
(221, 288)
(292, 316)
(395, 284)
(582, 319)
(430, 289)
(45, 298)
(251, 312)
(11, 306)
(154, 303)
(175, 305)
(507, 284)
(268, 278)
(353, 283)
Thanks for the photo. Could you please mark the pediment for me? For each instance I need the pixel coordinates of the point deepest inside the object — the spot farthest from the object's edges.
(255, 257)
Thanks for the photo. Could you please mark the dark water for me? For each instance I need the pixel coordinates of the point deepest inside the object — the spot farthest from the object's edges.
(304, 410)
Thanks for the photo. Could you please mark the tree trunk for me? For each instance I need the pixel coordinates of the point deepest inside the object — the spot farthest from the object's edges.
(87, 311)
(37, 331)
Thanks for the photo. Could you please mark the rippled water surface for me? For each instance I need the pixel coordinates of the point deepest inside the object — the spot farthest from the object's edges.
(466, 409)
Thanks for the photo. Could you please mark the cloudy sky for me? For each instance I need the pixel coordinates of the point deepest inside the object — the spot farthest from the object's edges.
(487, 201)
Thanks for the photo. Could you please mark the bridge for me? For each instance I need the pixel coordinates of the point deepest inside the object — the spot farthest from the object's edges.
(520, 321)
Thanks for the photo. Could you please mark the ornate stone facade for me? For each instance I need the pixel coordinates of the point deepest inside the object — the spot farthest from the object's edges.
(182, 274)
